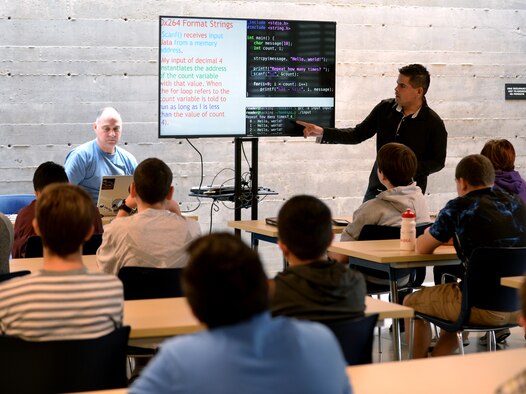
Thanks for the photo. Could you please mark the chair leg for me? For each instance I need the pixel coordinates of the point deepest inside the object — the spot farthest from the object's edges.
(492, 341)
(379, 339)
(460, 342)
(411, 337)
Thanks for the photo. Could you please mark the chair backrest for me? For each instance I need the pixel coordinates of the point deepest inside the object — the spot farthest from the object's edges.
(12, 203)
(372, 232)
(11, 275)
(145, 282)
(34, 246)
(482, 281)
(64, 366)
(356, 338)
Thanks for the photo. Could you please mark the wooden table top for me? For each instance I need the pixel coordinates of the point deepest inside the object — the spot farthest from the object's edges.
(35, 263)
(388, 251)
(262, 228)
(512, 281)
(472, 373)
(166, 317)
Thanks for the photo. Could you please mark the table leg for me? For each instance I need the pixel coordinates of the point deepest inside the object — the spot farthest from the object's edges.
(397, 340)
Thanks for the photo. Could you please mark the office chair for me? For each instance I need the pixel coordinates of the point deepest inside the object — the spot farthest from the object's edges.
(34, 246)
(356, 338)
(481, 288)
(63, 366)
(12, 203)
(145, 282)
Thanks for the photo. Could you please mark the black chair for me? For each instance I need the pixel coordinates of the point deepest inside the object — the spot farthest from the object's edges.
(356, 338)
(12, 203)
(481, 288)
(63, 366)
(34, 246)
(11, 275)
(145, 282)
(371, 232)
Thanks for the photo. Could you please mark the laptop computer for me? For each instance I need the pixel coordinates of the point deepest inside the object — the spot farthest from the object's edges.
(113, 189)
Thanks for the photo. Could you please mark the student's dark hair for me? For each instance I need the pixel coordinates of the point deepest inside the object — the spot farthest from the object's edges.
(153, 179)
(501, 154)
(65, 215)
(48, 173)
(398, 163)
(476, 170)
(418, 76)
(305, 227)
(224, 280)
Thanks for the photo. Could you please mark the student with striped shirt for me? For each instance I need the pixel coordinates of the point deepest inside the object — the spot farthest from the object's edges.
(63, 301)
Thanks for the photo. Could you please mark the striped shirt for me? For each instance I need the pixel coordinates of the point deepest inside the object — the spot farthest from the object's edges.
(53, 305)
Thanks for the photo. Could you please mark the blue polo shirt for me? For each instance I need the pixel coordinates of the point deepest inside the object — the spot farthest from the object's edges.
(261, 355)
(88, 163)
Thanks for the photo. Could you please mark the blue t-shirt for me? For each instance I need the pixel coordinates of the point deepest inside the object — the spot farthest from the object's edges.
(484, 217)
(86, 164)
(261, 355)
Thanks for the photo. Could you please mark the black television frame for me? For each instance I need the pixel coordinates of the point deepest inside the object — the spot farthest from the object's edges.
(293, 128)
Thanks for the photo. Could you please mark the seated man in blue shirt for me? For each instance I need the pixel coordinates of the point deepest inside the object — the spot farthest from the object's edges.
(88, 163)
(480, 216)
(244, 350)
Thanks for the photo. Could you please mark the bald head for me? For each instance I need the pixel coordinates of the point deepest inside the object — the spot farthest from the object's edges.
(108, 129)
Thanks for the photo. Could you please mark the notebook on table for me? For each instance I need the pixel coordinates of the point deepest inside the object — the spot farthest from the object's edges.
(113, 189)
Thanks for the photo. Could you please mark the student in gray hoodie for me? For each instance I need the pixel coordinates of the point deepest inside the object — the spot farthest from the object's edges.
(396, 168)
(312, 287)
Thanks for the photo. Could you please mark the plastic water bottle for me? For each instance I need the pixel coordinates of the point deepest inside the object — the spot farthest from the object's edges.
(408, 231)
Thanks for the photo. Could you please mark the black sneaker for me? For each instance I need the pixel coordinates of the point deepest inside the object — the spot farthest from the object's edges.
(500, 337)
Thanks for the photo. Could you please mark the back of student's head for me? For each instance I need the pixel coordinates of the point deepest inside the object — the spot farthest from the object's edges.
(153, 179)
(305, 227)
(476, 170)
(398, 163)
(418, 76)
(64, 215)
(501, 154)
(48, 173)
(224, 280)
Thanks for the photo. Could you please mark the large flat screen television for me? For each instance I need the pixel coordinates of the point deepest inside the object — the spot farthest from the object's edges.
(222, 77)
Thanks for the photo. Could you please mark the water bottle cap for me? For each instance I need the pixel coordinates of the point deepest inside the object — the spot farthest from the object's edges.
(409, 214)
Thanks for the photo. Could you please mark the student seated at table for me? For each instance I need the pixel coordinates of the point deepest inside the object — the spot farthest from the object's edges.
(46, 174)
(480, 216)
(312, 287)
(158, 234)
(501, 153)
(397, 166)
(63, 301)
(244, 350)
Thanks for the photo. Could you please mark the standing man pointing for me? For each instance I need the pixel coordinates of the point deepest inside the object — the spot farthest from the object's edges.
(86, 164)
(406, 119)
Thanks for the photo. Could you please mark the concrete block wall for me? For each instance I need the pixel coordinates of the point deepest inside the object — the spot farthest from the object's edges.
(60, 61)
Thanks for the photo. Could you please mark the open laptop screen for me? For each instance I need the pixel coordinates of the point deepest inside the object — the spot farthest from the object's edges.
(113, 189)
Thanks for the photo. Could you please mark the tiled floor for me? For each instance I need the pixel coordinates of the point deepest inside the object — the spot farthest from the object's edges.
(514, 341)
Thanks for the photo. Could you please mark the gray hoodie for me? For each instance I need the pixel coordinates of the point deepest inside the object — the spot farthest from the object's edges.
(386, 210)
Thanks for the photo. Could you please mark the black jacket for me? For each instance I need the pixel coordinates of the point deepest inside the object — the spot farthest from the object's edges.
(425, 134)
(320, 291)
